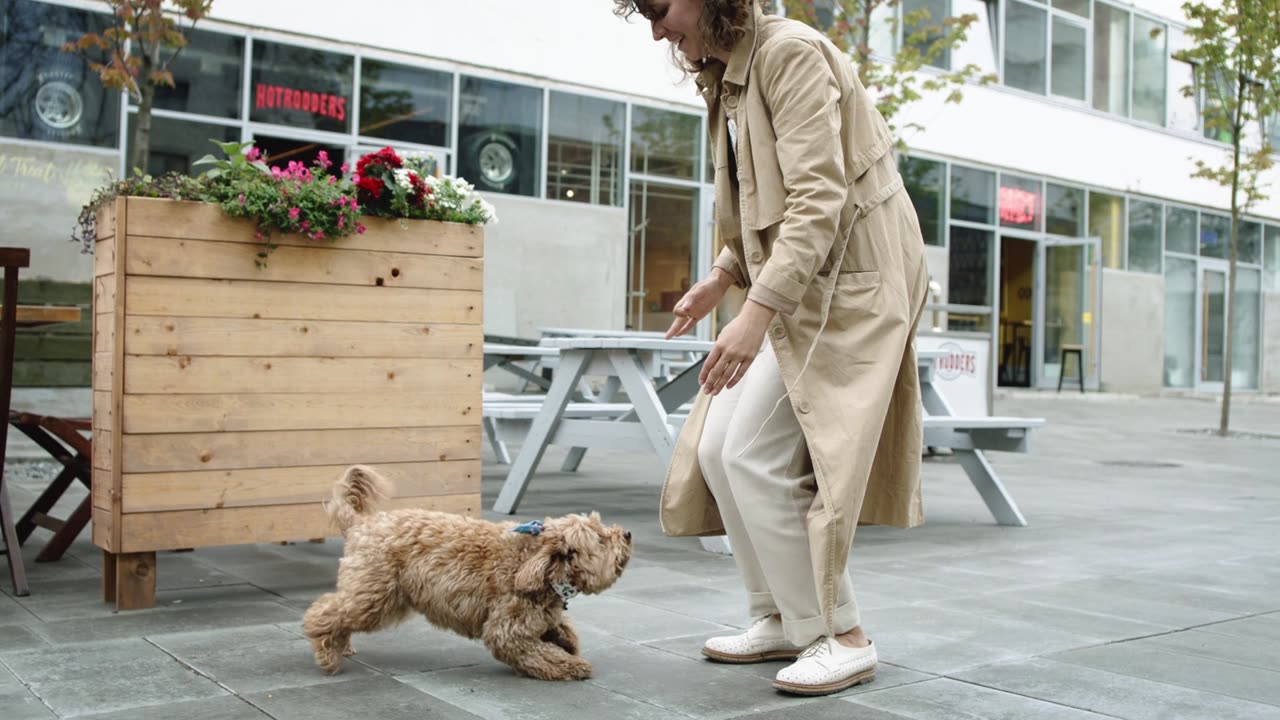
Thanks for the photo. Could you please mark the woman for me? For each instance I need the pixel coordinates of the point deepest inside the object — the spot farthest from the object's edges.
(795, 440)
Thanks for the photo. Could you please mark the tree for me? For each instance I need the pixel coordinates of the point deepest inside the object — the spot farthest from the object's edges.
(1235, 54)
(926, 42)
(141, 46)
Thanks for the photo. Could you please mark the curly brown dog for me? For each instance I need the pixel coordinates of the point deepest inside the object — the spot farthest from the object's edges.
(476, 578)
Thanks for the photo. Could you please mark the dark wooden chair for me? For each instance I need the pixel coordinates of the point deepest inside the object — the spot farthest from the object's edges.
(12, 259)
(61, 438)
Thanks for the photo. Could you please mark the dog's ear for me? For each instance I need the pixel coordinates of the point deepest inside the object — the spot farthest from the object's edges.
(548, 560)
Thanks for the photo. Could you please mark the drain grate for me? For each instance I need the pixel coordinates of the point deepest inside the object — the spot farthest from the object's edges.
(1140, 463)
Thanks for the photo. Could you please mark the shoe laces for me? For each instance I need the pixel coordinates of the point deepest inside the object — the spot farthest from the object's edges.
(817, 648)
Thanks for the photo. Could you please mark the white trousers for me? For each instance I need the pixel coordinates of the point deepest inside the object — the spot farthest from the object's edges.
(765, 489)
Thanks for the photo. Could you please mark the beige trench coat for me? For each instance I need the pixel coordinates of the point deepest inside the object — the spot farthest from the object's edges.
(813, 188)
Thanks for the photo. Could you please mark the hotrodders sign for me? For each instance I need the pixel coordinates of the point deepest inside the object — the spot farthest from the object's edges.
(279, 97)
(963, 374)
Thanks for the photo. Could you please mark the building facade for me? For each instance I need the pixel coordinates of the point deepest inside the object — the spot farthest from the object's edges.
(1057, 203)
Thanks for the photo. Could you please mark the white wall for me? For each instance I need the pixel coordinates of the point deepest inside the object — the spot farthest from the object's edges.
(573, 41)
(1132, 331)
(554, 264)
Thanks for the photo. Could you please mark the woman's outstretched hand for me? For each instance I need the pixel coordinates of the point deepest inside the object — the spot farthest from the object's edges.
(698, 302)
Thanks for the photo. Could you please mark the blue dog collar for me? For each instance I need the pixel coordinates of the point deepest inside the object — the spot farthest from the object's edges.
(533, 527)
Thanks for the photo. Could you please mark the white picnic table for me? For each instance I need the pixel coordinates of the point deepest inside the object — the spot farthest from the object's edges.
(650, 421)
(630, 364)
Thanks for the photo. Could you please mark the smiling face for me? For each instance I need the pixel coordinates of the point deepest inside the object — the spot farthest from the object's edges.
(679, 23)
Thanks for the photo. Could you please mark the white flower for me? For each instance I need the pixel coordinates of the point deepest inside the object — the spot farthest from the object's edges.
(490, 215)
(402, 178)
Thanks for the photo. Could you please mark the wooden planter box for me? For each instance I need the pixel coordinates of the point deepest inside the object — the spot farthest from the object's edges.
(229, 398)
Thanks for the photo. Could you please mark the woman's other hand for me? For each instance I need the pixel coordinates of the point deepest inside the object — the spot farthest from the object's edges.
(699, 301)
(736, 348)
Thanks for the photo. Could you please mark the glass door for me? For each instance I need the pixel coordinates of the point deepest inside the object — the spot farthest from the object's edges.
(1069, 294)
(1212, 341)
(661, 261)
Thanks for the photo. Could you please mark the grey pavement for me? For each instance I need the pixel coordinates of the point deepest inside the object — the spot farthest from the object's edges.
(1147, 587)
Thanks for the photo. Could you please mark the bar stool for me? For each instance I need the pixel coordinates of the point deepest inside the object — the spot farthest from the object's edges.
(1078, 351)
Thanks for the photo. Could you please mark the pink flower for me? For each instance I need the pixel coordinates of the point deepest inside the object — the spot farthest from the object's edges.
(241, 198)
(343, 169)
(359, 229)
(305, 224)
(253, 155)
(322, 159)
(276, 172)
(293, 213)
(342, 220)
(332, 179)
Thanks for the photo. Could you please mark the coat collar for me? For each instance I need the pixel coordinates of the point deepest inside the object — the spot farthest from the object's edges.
(739, 67)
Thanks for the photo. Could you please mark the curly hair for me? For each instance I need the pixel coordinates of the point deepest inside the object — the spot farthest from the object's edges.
(723, 23)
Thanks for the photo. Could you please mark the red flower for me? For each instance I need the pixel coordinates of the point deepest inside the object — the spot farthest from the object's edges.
(386, 157)
(373, 186)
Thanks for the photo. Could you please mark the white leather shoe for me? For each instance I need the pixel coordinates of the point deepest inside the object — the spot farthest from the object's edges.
(762, 642)
(827, 667)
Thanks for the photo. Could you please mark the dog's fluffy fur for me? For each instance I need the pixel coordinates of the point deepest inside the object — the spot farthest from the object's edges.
(470, 576)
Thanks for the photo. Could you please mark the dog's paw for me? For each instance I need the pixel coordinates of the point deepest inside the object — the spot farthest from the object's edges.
(575, 669)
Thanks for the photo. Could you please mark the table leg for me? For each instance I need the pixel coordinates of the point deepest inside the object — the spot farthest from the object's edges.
(644, 397)
(135, 580)
(17, 572)
(574, 459)
(573, 363)
(988, 485)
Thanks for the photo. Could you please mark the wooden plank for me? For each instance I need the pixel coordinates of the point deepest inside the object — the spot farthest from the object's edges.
(116, 437)
(102, 372)
(104, 257)
(185, 374)
(105, 223)
(150, 492)
(204, 221)
(160, 335)
(229, 450)
(249, 299)
(103, 491)
(104, 293)
(32, 315)
(173, 257)
(277, 411)
(103, 528)
(103, 410)
(103, 447)
(104, 334)
(270, 523)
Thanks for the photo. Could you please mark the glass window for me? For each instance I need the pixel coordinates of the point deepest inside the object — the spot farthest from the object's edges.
(1271, 257)
(401, 102)
(1079, 7)
(1021, 202)
(1144, 236)
(175, 144)
(1149, 80)
(926, 29)
(1273, 132)
(280, 151)
(301, 87)
(1215, 120)
(973, 195)
(1067, 76)
(1064, 210)
(1246, 350)
(584, 150)
(1106, 221)
(1184, 112)
(46, 94)
(207, 76)
(1215, 233)
(1179, 322)
(664, 142)
(500, 135)
(1249, 248)
(1110, 59)
(969, 276)
(1180, 230)
(924, 181)
(1025, 53)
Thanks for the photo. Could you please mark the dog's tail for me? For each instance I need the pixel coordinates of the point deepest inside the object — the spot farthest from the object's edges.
(355, 496)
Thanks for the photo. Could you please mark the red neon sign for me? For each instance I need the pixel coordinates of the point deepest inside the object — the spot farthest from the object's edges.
(1019, 207)
(276, 97)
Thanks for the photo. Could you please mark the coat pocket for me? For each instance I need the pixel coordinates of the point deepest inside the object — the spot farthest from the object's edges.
(856, 290)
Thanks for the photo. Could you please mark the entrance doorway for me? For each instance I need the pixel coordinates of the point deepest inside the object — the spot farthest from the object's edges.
(1017, 310)
(661, 259)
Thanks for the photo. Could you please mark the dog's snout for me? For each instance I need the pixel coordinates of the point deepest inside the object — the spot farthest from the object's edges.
(626, 535)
